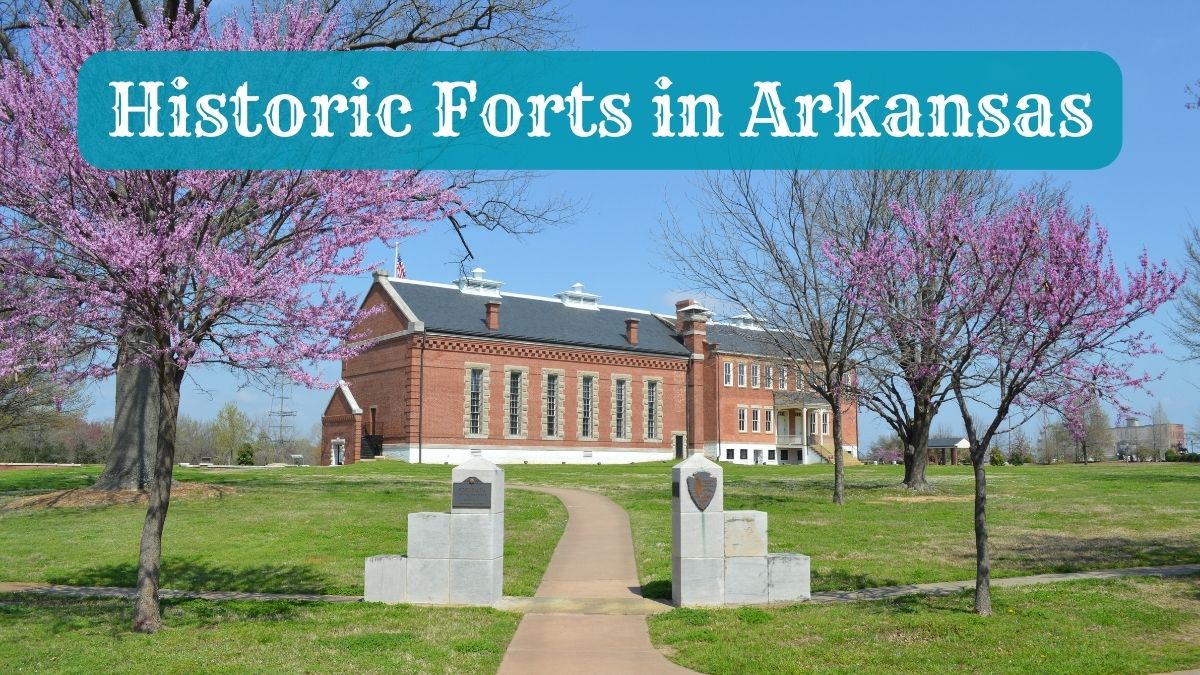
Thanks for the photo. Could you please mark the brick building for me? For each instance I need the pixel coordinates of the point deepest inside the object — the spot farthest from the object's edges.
(461, 369)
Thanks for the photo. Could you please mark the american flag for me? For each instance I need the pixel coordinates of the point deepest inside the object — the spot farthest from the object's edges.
(401, 273)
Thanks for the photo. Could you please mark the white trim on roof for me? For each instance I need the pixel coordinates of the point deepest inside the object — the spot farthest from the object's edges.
(527, 296)
(344, 387)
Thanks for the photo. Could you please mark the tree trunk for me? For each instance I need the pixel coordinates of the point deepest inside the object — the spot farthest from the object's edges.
(130, 463)
(146, 617)
(983, 563)
(916, 451)
(839, 462)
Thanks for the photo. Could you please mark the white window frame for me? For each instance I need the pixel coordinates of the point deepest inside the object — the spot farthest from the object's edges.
(755, 414)
(824, 423)
(621, 407)
(783, 378)
(769, 377)
(587, 399)
(475, 402)
(729, 373)
(741, 370)
(754, 370)
(769, 420)
(741, 418)
(552, 408)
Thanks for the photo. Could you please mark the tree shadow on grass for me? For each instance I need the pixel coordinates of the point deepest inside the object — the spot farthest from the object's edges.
(193, 574)
(842, 580)
(1062, 553)
(59, 615)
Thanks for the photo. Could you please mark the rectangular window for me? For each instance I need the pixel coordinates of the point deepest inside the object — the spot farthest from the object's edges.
(741, 419)
(620, 409)
(754, 420)
(769, 377)
(783, 455)
(476, 399)
(742, 454)
(770, 453)
(514, 403)
(729, 453)
(754, 376)
(824, 423)
(586, 403)
(783, 378)
(812, 423)
(741, 374)
(651, 410)
(728, 373)
(552, 405)
(769, 421)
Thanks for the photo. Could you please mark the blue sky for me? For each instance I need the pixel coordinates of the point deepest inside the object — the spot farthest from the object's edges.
(1146, 198)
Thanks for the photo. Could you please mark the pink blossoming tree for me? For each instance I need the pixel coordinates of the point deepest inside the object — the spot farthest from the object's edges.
(229, 268)
(1040, 316)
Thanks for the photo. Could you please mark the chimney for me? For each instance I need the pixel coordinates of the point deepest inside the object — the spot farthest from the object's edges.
(679, 316)
(493, 314)
(691, 322)
(631, 331)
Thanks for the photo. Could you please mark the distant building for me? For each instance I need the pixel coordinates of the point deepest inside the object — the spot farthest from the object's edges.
(1132, 436)
(948, 449)
(464, 369)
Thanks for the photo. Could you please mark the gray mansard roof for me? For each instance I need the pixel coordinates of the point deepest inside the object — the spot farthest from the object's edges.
(444, 308)
(741, 340)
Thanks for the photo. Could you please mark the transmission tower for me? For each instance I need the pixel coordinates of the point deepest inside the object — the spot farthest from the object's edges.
(282, 419)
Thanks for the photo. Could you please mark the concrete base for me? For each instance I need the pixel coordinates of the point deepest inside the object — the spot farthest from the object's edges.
(745, 533)
(789, 577)
(476, 582)
(429, 581)
(746, 580)
(698, 582)
(386, 579)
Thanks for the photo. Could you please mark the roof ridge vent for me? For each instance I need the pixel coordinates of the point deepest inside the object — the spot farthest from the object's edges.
(746, 320)
(577, 297)
(477, 284)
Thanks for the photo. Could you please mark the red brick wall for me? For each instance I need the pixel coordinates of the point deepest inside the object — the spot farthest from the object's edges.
(445, 392)
(727, 400)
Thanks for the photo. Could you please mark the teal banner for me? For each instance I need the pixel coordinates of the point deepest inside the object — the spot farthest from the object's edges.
(600, 110)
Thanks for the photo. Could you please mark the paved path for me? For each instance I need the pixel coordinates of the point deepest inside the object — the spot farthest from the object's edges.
(592, 566)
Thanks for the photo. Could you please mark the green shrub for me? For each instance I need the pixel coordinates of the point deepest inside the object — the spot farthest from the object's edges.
(996, 458)
(1172, 455)
(1016, 458)
(245, 456)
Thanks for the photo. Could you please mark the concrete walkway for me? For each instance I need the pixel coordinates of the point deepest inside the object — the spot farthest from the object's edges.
(592, 566)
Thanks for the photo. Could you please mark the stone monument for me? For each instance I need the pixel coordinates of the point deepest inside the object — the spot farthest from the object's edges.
(454, 558)
(720, 557)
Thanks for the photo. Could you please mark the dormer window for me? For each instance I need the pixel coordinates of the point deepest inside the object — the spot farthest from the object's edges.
(476, 284)
(576, 297)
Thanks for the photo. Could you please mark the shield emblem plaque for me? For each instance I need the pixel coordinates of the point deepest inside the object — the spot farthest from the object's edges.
(702, 486)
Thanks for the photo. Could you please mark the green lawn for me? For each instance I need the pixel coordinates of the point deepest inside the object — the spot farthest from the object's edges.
(1126, 626)
(40, 634)
(292, 530)
(309, 529)
(1042, 518)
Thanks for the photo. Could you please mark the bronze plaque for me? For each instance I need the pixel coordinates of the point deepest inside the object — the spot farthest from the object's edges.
(471, 493)
(702, 486)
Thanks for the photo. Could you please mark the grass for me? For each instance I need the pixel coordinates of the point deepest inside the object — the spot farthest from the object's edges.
(43, 634)
(308, 530)
(1126, 626)
(287, 531)
(1042, 519)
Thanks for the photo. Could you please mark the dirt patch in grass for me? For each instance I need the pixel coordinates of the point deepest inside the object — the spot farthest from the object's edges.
(89, 498)
(918, 499)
